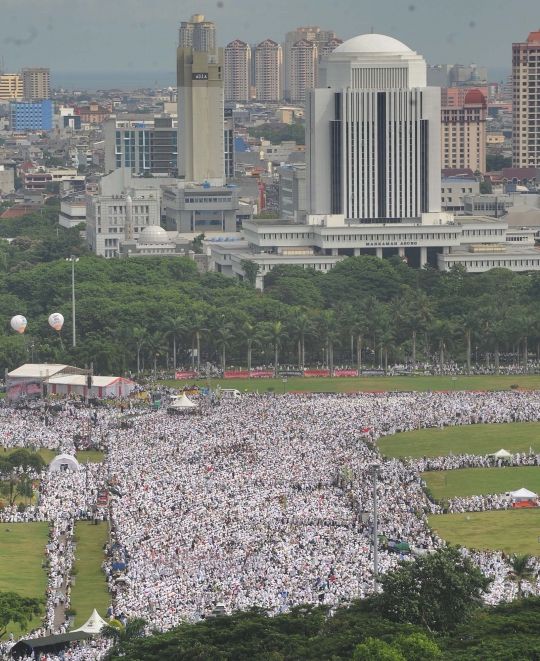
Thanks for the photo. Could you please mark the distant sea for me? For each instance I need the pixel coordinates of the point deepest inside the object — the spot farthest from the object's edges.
(127, 81)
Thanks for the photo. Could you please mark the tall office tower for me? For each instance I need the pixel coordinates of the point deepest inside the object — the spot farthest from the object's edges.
(11, 87)
(526, 92)
(268, 71)
(200, 114)
(304, 68)
(199, 34)
(463, 133)
(36, 83)
(373, 134)
(253, 71)
(237, 83)
(228, 143)
(310, 33)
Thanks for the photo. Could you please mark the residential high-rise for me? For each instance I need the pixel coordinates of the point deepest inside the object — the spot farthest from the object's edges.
(526, 92)
(237, 60)
(463, 133)
(36, 83)
(373, 134)
(11, 87)
(199, 34)
(200, 108)
(268, 71)
(310, 33)
(328, 47)
(303, 69)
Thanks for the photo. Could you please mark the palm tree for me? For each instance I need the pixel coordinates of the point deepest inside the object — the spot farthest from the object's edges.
(528, 329)
(415, 324)
(156, 347)
(370, 310)
(329, 329)
(520, 570)
(274, 334)
(197, 329)
(468, 324)
(386, 344)
(123, 637)
(359, 328)
(442, 331)
(223, 337)
(301, 326)
(250, 334)
(139, 337)
(496, 333)
(174, 326)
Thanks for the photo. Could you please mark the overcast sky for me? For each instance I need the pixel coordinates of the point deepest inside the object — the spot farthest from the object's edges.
(141, 35)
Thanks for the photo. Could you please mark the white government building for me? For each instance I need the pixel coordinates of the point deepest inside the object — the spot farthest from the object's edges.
(373, 177)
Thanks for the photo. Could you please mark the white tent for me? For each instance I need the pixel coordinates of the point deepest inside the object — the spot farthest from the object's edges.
(94, 624)
(523, 493)
(183, 403)
(63, 460)
(502, 454)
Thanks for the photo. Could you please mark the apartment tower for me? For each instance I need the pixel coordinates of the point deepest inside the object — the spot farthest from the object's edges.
(11, 87)
(303, 69)
(199, 34)
(268, 71)
(36, 83)
(526, 92)
(237, 59)
(311, 33)
(463, 132)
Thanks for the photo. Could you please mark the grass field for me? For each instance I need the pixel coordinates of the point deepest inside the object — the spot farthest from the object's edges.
(84, 456)
(373, 384)
(513, 531)
(21, 552)
(482, 481)
(90, 590)
(475, 439)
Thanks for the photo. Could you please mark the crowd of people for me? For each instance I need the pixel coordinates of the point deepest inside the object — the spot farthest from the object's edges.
(264, 500)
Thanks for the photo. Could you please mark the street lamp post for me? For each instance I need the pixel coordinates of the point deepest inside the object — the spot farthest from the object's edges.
(73, 259)
(375, 472)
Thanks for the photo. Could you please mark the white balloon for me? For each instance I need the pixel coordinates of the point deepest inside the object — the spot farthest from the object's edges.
(18, 323)
(56, 320)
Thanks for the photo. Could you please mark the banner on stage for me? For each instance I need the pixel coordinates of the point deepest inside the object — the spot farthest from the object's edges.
(345, 372)
(185, 375)
(317, 373)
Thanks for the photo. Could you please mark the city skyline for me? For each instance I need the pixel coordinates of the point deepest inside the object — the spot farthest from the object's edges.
(41, 33)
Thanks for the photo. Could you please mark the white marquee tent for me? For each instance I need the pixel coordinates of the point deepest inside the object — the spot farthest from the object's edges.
(502, 454)
(64, 460)
(94, 624)
(183, 403)
(523, 493)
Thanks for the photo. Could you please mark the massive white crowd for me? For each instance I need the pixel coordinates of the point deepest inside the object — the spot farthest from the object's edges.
(265, 500)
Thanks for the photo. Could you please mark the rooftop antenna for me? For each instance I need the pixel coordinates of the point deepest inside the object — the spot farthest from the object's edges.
(371, 30)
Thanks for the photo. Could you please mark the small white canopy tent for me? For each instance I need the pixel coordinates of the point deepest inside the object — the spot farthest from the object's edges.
(63, 460)
(183, 403)
(502, 454)
(94, 624)
(523, 493)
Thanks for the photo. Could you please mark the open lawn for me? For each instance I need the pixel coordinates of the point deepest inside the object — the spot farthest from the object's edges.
(90, 590)
(48, 455)
(471, 439)
(513, 531)
(21, 551)
(373, 384)
(482, 481)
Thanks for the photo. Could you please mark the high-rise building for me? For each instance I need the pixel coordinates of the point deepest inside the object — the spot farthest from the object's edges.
(228, 143)
(200, 110)
(310, 33)
(11, 87)
(268, 71)
(328, 47)
(144, 144)
(199, 34)
(303, 69)
(373, 134)
(463, 133)
(526, 92)
(36, 83)
(27, 115)
(237, 60)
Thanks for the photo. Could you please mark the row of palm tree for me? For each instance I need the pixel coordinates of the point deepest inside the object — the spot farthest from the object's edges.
(397, 330)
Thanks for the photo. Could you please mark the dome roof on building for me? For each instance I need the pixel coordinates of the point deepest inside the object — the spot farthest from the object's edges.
(475, 96)
(153, 234)
(372, 43)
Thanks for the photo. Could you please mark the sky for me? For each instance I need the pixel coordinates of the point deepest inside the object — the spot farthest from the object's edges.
(141, 35)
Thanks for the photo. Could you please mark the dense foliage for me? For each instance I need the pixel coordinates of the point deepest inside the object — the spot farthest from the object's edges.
(279, 133)
(356, 633)
(17, 610)
(365, 310)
